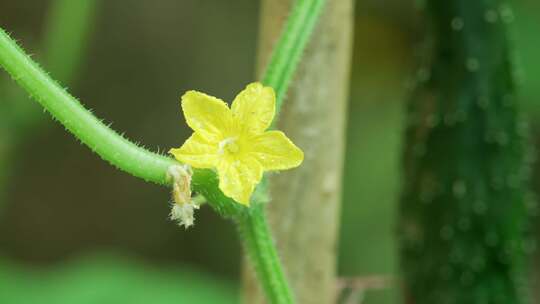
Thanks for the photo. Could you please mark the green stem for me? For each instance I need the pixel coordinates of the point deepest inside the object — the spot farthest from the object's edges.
(153, 167)
(253, 227)
(261, 250)
(84, 125)
(68, 26)
(288, 51)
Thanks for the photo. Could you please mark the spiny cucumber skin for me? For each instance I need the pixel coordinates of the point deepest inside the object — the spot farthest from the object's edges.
(463, 210)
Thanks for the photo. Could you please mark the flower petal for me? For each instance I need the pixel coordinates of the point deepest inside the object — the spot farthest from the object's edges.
(255, 107)
(275, 151)
(206, 115)
(197, 152)
(238, 179)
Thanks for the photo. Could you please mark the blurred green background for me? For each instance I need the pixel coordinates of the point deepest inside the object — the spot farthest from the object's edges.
(75, 230)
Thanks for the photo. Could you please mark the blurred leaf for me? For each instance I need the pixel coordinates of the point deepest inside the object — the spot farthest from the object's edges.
(105, 279)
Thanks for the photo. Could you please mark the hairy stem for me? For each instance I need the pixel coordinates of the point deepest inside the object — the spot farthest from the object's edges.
(287, 53)
(82, 123)
(254, 228)
(255, 232)
(316, 107)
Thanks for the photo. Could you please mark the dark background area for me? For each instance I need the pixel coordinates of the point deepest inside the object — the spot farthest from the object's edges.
(70, 213)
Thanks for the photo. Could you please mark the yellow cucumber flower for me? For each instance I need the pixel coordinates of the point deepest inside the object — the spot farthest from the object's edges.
(235, 141)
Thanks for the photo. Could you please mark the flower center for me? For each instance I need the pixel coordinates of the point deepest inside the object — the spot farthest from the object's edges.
(229, 145)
